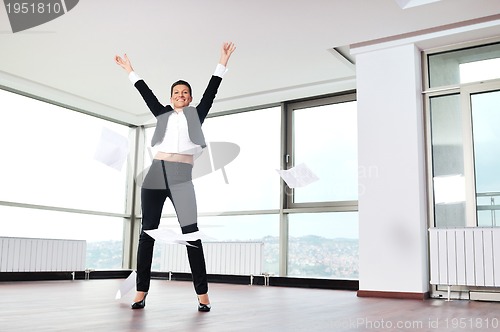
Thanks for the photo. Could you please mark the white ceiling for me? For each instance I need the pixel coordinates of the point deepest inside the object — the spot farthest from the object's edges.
(284, 48)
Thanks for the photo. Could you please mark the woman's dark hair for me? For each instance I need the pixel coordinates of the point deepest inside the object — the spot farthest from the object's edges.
(180, 82)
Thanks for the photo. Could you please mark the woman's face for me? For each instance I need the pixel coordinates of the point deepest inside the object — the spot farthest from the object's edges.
(181, 97)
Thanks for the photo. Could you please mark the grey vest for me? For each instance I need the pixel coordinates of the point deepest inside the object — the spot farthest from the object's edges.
(194, 127)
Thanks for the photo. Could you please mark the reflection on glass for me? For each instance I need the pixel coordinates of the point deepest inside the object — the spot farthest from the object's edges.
(323, 245)
(480, 70)
(325, 139)
(447, 160)
(48, 157)
(103, 234)
(253, 228)
(485, 129)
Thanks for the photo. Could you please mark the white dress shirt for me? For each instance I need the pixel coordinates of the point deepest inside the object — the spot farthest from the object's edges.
(176, 138)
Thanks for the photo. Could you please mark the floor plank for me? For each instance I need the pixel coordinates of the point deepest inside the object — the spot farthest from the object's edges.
(90, 305)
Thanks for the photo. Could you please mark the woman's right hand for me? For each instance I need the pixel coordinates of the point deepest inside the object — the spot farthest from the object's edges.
(124, 63)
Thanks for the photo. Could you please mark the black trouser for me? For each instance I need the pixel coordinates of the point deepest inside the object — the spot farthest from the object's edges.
(172, 180)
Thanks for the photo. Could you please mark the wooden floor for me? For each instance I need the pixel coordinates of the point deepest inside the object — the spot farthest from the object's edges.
(90, 305)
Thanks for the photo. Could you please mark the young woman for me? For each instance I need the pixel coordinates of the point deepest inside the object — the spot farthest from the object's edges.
(178, 139)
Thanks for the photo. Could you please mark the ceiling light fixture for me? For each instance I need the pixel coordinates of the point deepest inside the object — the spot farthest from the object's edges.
(405, 4)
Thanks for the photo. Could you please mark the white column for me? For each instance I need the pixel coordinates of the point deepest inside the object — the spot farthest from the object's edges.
(392, 198)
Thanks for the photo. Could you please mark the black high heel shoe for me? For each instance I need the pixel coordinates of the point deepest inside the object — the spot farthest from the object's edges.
(204, 307)
(141, 304)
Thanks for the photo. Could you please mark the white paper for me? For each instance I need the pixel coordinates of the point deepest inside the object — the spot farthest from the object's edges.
(298, 176)
(127, 285)
(449, 189)
(168, 236)
(112, 149)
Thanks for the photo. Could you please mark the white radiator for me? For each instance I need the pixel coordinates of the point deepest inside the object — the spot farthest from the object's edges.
(234, 258)
(465, 256)
(41, 255)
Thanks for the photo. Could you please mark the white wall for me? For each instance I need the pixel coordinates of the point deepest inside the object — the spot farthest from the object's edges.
(392, 197)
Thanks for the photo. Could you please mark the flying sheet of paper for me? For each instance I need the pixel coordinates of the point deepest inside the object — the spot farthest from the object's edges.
(112, 149)
(449, 189)
(168, 236)
(126, 286)
(298, 176)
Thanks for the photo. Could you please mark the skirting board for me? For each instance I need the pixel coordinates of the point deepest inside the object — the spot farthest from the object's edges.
(394, 295)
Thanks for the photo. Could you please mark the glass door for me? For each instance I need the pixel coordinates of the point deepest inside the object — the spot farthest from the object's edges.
(465, 147)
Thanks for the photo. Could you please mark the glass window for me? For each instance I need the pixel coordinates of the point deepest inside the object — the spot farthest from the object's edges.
(464, 65)
(252, 228)
(325, 140)
(485, 124)
(250, 181)
(323, 245)
(48, 157)
(448, 161)
(247, 179)
(104, 235)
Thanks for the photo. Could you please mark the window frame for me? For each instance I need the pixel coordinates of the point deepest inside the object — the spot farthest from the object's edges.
(288, 159)
(124, 214)
(464, 90)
